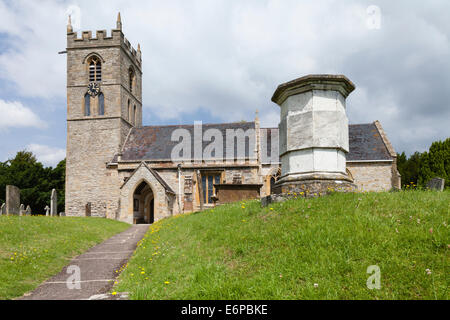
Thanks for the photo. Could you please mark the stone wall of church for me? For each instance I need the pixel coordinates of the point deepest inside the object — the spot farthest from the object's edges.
(135, 95)
(372, 176)
(189, 185)
(90, 145)
(171, 178)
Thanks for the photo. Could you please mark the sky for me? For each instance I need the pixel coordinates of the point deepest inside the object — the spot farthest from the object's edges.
(221, 60)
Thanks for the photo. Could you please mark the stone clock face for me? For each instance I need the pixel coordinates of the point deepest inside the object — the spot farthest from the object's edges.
(93, 89)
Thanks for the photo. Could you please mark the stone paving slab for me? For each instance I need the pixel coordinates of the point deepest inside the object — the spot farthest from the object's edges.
(97, 269)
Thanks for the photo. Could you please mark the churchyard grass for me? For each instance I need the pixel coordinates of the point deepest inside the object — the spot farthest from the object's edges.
(32, 249)
(301, 249)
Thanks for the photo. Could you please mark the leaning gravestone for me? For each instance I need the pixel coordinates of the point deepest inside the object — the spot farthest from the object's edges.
(47, 211)
(12, 200)
(3, 209)
(21, 210)
(54, 204)
(28, 211)
(436, 184)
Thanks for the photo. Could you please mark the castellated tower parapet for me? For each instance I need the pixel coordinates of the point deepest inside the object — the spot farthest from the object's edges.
(116, 39)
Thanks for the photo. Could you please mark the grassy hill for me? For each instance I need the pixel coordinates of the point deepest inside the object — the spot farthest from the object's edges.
(32, 249)
(301, 249)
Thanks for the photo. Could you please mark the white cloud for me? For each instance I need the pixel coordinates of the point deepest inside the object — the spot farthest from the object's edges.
(15, 115)
(49, 156)
(227, 57)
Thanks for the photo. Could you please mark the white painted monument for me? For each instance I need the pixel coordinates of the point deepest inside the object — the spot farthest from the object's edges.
(314, 138)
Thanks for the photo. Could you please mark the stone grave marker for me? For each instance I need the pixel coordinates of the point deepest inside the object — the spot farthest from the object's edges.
(12, 200)
(54, 204)
(436, 184)
(47, 211)
(28, 211)
(21, 210)
(3, 209)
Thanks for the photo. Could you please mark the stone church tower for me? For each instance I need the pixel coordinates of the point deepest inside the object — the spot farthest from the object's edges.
(104, 101)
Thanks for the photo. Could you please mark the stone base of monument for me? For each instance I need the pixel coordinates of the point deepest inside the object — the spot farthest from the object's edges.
(315, 183)
(309, 185)
(315, 187)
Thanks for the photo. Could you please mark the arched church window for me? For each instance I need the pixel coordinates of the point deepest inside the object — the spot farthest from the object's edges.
(87, 104)
(95, 69)
(101, 104)
(129, 111)
(135, 115)
(131, 78)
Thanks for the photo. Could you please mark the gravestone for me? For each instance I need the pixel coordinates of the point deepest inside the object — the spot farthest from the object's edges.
(28, 211)
(21, 210)
(88, 209)
(62, 214)
(436, 184)
(12, 200)
(54, 204)
(47, 211)
(3, 209)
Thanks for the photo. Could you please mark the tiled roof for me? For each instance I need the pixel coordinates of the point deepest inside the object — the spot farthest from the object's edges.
(366, 143)
(154, 142)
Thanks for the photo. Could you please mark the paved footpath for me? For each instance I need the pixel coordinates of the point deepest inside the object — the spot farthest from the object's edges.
(97, 270)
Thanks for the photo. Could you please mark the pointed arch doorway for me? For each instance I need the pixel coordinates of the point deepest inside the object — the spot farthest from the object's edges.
(143, 204)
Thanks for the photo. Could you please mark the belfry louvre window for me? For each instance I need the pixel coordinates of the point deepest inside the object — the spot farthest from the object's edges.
(131, 79)
(208, 181)
(95, 70)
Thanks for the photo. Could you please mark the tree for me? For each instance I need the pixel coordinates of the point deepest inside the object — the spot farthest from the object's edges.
(422, 167)
(435, 162)
(34, 181)
(409, 168)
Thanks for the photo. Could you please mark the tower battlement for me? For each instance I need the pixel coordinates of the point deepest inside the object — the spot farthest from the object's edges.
(101, 39)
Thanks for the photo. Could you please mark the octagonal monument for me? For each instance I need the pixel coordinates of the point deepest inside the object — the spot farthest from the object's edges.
(314, 137)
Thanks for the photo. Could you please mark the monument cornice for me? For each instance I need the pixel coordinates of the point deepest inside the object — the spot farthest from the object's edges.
(307, 83)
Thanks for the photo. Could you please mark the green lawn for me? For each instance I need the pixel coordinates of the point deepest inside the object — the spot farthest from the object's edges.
(301, 249)
(32, 249)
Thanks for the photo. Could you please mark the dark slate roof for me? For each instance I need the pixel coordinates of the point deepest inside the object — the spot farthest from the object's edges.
(366, 143)
(154, 142)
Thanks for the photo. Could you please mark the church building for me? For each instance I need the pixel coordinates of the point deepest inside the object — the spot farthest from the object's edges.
(119, 169)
